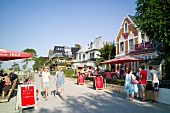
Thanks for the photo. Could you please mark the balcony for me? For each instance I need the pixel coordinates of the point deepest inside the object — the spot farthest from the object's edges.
(142, 46)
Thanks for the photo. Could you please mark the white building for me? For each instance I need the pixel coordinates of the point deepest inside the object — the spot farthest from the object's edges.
(87, 55)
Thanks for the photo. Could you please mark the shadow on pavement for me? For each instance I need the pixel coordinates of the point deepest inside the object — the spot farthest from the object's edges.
(107, 102)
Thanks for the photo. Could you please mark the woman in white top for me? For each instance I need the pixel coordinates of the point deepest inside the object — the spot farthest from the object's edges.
(45, 80)
(155, 82)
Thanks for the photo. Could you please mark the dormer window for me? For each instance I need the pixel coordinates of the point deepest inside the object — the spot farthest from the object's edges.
(125, 27)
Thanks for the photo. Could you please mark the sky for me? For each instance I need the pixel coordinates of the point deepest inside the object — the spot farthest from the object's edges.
(43, 24)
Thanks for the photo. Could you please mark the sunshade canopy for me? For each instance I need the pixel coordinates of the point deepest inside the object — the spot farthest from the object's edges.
(121, 60)
(6, 55)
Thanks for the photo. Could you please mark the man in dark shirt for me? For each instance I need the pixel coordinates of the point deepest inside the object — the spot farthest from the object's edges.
(1, 73)
(12, 75)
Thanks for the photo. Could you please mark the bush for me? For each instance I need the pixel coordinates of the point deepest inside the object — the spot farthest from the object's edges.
(68, 72)
(109, 81)
(89, 78)
(115, 81)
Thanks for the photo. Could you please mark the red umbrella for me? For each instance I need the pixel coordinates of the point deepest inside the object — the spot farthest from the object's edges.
(121, 60)
(11, 55)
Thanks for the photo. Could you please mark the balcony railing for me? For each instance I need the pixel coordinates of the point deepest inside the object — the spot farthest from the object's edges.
(142, 45)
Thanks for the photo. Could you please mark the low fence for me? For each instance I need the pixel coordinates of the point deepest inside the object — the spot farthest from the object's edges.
(165, 84)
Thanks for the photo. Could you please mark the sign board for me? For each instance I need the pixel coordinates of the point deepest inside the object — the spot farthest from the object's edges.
(81, 79)
(99, 82)
(26, 96)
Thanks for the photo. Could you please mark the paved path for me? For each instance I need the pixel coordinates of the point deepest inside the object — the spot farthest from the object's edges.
(83, 99)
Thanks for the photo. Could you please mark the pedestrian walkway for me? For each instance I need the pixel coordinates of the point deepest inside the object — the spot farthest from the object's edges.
(84, 99)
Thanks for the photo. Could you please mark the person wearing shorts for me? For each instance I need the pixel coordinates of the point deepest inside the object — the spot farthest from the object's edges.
(45, 79)
(155, 82)
(59, 79)
(143, 76)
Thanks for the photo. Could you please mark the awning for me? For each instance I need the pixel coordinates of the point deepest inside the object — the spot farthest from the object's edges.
(122, 60)
(12, 55)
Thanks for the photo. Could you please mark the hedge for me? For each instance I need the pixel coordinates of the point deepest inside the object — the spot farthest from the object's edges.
(68, 72)
(115, 81)
(109, 81)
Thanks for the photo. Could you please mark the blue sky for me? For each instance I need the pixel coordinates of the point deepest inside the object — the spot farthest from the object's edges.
(42, 24)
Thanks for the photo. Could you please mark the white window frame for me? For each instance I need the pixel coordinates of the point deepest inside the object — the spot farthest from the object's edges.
(123, 46)
(125, 30)
(131, 47)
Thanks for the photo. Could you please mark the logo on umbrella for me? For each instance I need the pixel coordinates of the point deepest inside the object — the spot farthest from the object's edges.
(3, 50)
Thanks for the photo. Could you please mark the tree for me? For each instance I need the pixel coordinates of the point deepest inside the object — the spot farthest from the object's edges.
(15, 66)
(39, 62)
(24, 66)
(34, 55)
(1, 62)
(152, 17)
(107, 52)
(48, 62)
(77, 45)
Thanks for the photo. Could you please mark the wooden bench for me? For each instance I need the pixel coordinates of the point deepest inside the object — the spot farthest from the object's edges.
(5, 90)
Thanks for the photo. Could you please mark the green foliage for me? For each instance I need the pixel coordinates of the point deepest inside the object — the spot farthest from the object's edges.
(152, 18)
(99, 60)
(109, 81)
(32, 51)
(48, 62)
(15, 66)
(77, 45)
(68, 72)
(115, 81)
(24, 66)
(39, 62)
(89, 78)
(34, 56)
(107, 52)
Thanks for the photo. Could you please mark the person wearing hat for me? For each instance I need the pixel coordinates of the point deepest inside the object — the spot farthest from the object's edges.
(45, 80)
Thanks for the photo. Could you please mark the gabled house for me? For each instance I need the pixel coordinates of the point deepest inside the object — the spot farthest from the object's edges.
(131, 41)
(87, 55)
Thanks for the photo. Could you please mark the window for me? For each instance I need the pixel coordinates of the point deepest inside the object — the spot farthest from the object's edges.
(92, 55)
(149, 57)
(153, 57)
(83, 56)
(131, 46)
(122, 46)
(125, 27)
(146, 57)
(79, 56)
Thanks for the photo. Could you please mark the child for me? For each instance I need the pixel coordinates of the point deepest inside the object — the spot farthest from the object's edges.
(135, 77)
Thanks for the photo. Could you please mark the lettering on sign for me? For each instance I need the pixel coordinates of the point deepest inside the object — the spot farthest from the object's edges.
(27, 95)
(81, 79)
(99, 82)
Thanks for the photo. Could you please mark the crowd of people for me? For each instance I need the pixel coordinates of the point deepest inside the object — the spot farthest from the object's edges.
(136, 83)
